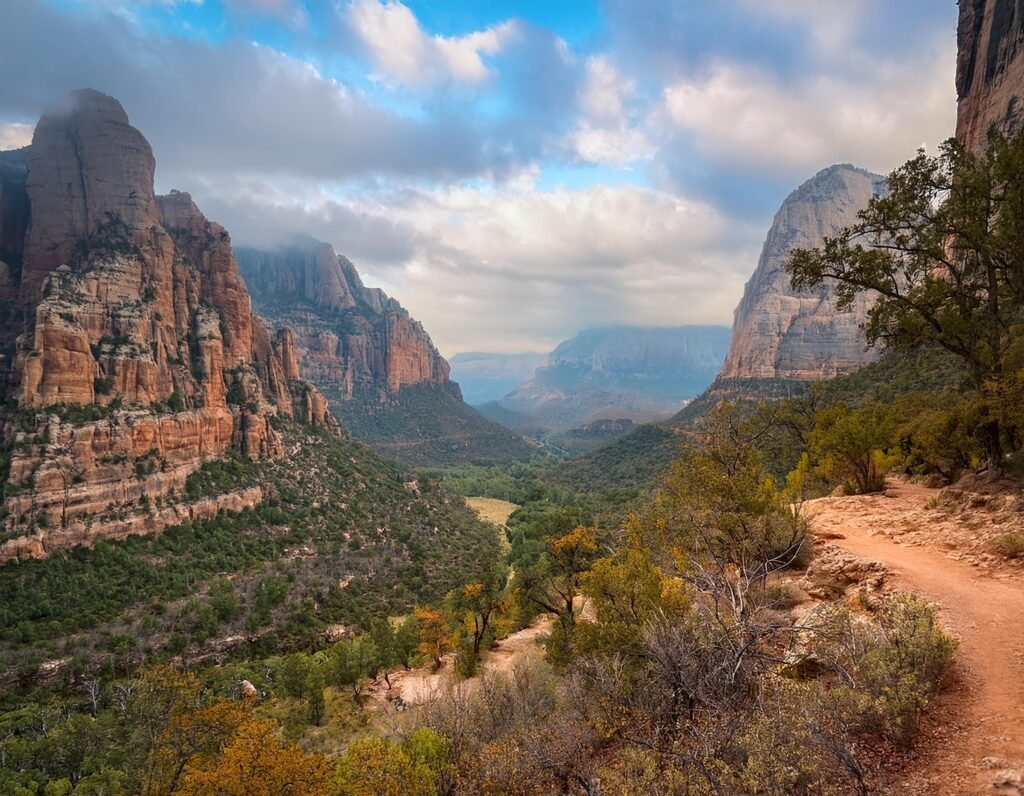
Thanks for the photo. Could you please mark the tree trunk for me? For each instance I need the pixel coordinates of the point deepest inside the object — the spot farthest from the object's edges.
(992, 435)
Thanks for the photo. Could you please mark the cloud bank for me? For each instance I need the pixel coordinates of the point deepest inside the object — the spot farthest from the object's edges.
(507, 178)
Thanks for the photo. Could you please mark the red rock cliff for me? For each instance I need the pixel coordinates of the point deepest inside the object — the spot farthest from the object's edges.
(349, 339)
(989, 69)
(132, 305)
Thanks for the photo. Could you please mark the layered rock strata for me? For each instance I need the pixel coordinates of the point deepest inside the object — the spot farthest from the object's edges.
(132, 351)
(387, 383)
(350, 339)
(781, 333)
(989, 69)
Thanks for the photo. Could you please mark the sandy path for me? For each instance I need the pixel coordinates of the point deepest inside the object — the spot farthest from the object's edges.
(977, 731)
(420, 685)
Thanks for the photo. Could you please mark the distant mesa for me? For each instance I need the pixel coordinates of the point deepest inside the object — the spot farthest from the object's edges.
(620, 372)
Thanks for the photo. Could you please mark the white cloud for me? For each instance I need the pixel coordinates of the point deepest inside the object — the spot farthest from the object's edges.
(293, 12)
(616, 146)
(830, 26)
(15, 135)
(607, 134)
(605, 89)
(516, 268)
(876, 117)
(401, 50)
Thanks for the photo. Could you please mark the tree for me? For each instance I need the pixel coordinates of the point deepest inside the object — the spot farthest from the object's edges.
(942, 254)
(256, 762)
(406, 641)
(384, 641)
(93, 690)
(628, 592)
(223, 600)
(555, 582)
(191, 732)
(721, 515)
(292, 673)
(315, 694)
(479, 601)
(352, 662)
(851, 446)
(434, 637)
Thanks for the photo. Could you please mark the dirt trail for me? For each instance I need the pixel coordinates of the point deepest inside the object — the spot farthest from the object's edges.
(420, 685)
(973, 742)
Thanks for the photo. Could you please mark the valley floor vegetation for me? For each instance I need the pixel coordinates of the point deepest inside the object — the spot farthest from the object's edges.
(687, 672)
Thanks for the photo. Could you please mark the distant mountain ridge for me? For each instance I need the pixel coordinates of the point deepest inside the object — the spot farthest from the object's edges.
(781, 339)
(386, 381)
(621, 372)
(486, 376)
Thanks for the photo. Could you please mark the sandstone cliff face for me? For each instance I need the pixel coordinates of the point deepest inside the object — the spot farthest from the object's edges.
(989, 69)
(350, 340)
(131, 305)
(779, 333)
(13, 223)
(388, 385)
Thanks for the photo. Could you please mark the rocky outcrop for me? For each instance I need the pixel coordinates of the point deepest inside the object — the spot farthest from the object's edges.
(989, 69)
(781, 333)
(834, 571)
(134, 353)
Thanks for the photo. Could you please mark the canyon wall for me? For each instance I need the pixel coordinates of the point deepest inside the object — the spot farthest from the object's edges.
(130, 348)
(351, 339)
(781, 333)
(989, 69)
(387, 383)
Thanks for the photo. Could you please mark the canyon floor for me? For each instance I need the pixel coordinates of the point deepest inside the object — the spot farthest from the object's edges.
(973, 737)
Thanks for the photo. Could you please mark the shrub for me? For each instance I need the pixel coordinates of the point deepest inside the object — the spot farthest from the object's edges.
(1009, 545)
(895, 679)
(375, 765)
(465, 659)
(175, 402)
(851, 447)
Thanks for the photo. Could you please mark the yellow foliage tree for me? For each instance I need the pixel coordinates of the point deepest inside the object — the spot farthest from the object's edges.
(435, 640)
(256, 762)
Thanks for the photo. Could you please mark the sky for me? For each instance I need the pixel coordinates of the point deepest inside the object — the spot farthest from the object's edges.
(512, 171)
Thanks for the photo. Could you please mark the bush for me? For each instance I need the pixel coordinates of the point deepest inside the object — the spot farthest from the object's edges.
(851, 448)
(895, 680)
(1009, 545)
(465, 659)
(375, 765)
